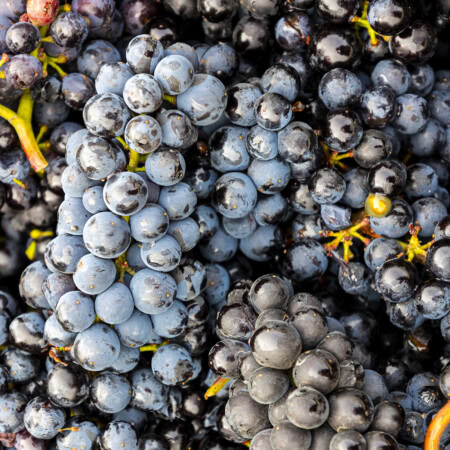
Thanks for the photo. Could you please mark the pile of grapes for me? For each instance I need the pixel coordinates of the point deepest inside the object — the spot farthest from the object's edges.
(224, 224)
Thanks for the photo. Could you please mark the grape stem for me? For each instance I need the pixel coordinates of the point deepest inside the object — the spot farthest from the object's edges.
(68, 429)
(437, 427)
(334, 158)
(65, 8)
(123, 267)
(216, 387)
(36, 234)
(4, 59)
(172, 99)
(363, 22)
(152, 347)
(298, 106)
(42, 131)
(414, 249)
(346, 237)
(53, 353)
(21, 121)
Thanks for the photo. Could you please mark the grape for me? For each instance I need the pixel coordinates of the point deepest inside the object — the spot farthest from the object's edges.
(149, 394)
(75, 311)
(106, 115)
(77, 89)
(392, 73)
(272, 111)
(74, 143)
(143, 93)
(234, 195)
(56, 335)
(186, 232)
(30, 286)
(110, 393)
(125, 193)
(5, 24)
(182, 49)
(136, 330)
(106, 235)
(62, 254)
(112, 77)
(293, 37)
(93, 200)
(72, 216)
(95, 54)
(241, 98)
(153, 291)
(51, 114)
(162, 255)
(206, 219)
(69, 29)
(219, 247)
(115, 304)
(165, 166)
(172, 364)
(177, 129)
(86, 434)
(281, 79)
(178, 200)
(94, 275)
(23, 71)
(127, 360)
(26, 332)
(205, 100)
(136, 14)
(412, 113)
(21, 367)
(97, 347)
(144, 53)
(22, 37)
(110, 31)
(175, 73)
(97, 11)
(227, 148)
(13, 164)
(69, 53)
(149, 224)
(42, 12)
(339, 88)
(42, 419)
(143, 134)
(61, 134)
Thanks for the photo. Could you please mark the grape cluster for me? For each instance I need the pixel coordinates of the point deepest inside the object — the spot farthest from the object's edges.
(299, 380)
(236, 216)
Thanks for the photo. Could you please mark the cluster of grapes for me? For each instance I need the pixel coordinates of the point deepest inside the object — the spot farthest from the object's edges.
(336, 398)
(237, 220)
(35, 95)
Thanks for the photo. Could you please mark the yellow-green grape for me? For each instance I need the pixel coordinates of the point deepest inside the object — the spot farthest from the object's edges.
(377, 205)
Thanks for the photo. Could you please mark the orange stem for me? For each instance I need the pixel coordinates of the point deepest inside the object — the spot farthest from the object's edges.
(437, 427)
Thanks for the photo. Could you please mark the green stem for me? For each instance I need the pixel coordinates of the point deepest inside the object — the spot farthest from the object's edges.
(5, 58)
(44, 30)
(134, 161)
(45, 146)
(21, 121)
(42, 131)
(47, 39)
(171, 99)
(25, 110)
(58, 69)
